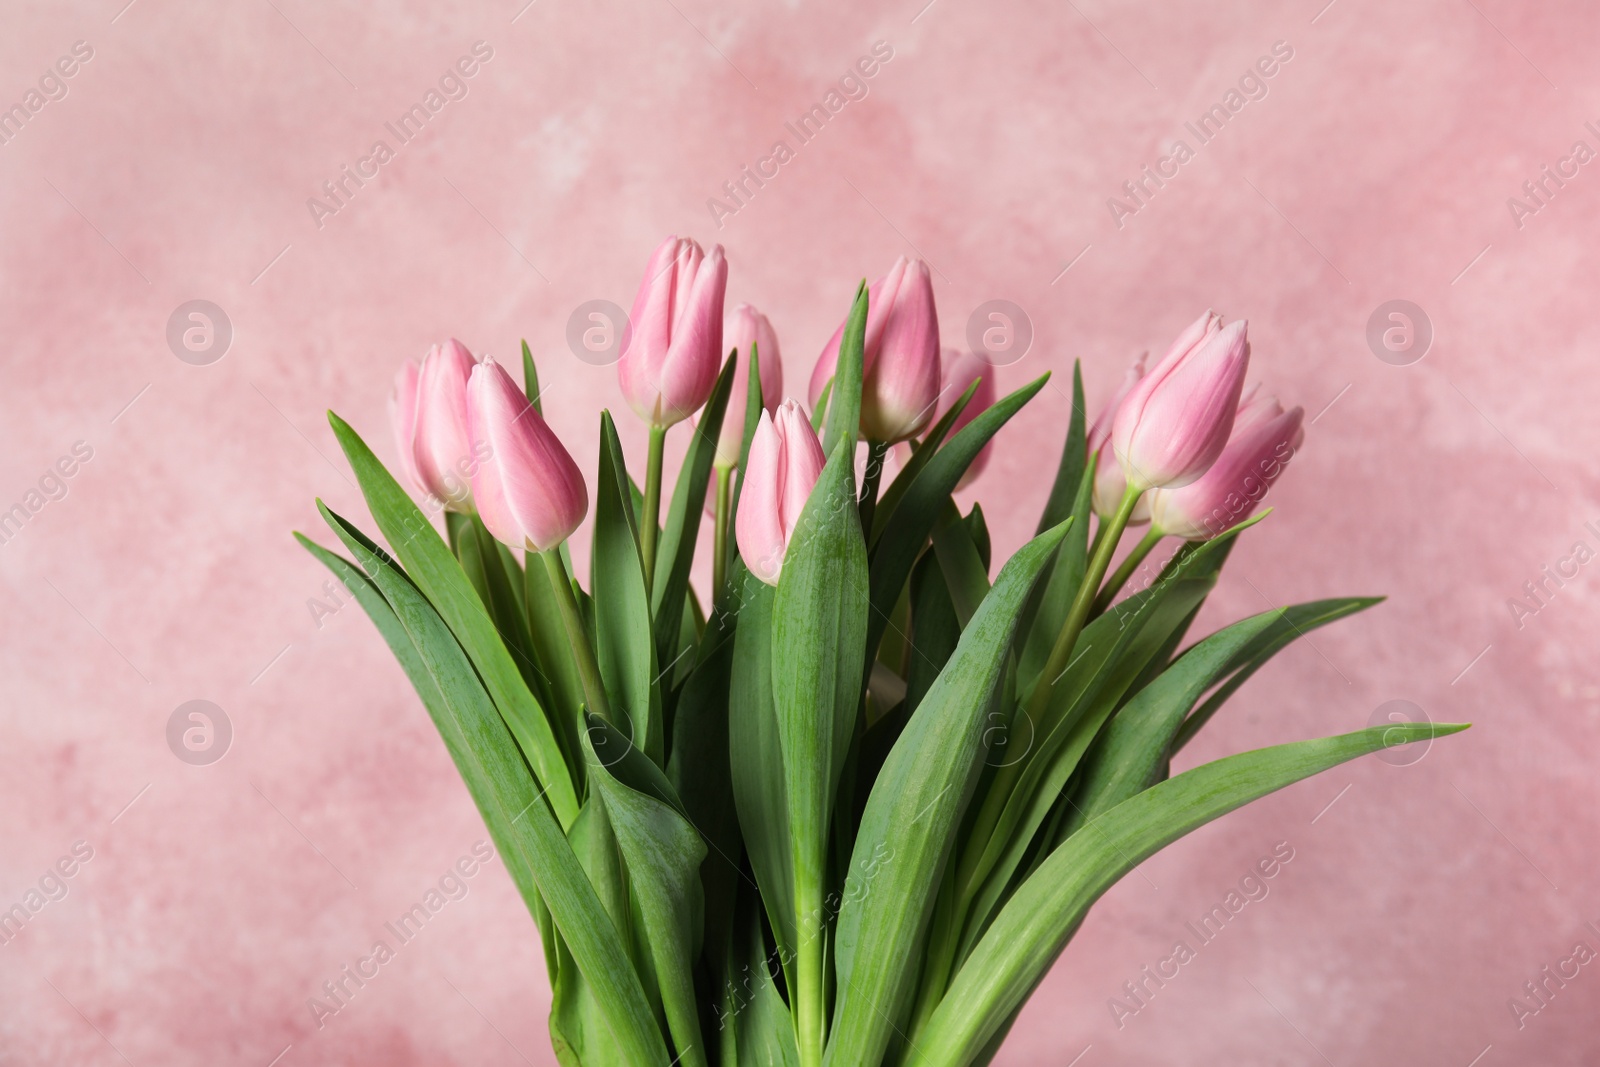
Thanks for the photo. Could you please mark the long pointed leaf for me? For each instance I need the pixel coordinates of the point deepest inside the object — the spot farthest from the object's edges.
(1029, 934)
(428, 561)
(914, 809)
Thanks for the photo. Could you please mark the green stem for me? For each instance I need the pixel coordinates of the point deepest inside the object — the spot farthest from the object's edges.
(810, 1025)
(1120, 576)
(650, 522)
(876, 451)
(594, 689)
(968, 873)
(1099, 560)
(722, 521)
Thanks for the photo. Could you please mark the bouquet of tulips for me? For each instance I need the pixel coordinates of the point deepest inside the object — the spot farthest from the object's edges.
(848, 804)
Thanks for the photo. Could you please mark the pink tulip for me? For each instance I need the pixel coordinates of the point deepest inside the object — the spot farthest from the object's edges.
(1264, 440)
(403, 419)
(1174, 423)
(743, 327)
(1109, 481)
(900, 355)
(784, 464)
(961, 369)
(675, 348)
(441, 453)
(529, 492)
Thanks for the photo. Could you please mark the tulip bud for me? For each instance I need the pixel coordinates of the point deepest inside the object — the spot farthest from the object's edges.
(1264, 439)
(529, 492)
(745, 326)
(1174, 423)
(440, 449)
(784, 464)
(403, 419)
(900, 355)
(675, 347)
(960, 370)
(1109, 481)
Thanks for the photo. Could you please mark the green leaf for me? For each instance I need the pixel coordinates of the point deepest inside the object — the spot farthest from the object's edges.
(964, 572)
(753, 1008)
(914, 810)
(513, 805)
(1297, 620)
(1133, 745)
(1112, 651)
(549, 638)
(923, 451)
(1074, 459)
(754, 404)
(663, 852)
(844, 406)
(675, 551)
(756, 760)
(530, 378)
(428, 561)
(919, 509)
(578, 1027)
(1029, 934)
(819, 624)
(624, 644)
(1054, 598)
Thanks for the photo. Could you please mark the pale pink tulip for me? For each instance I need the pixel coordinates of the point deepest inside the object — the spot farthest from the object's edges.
(743, 327)
(1264, 440)
(675, 347)
(440, 448)
(1109, 481)
(530, 494)
(960, 370)
(403, 419)
(900, 355)
(784, 464)
(1174, 423)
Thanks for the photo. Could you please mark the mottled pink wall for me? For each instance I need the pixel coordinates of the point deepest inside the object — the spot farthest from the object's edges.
(1377, 167)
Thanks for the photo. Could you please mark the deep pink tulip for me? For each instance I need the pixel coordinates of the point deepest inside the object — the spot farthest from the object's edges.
(960, 370)
(900, 355)
(744, 326)
(440, 450)
(1174, 423)
(1264, 440)
(675, 348)
(530, 494)
(784, 464)
(403, 419)
(1109, 481)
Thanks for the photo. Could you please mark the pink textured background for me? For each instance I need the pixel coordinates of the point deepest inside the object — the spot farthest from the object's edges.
(1378, 167)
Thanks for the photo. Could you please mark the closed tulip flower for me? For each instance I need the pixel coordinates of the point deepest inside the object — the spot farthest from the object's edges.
(744, 327)
(960, 370)
(1109, 481)
(529, 492)
(441, 454)
(900, 355)
(675, 347)
(403, 418)
(1174, 423)
(1264, 440)
(784, 464)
